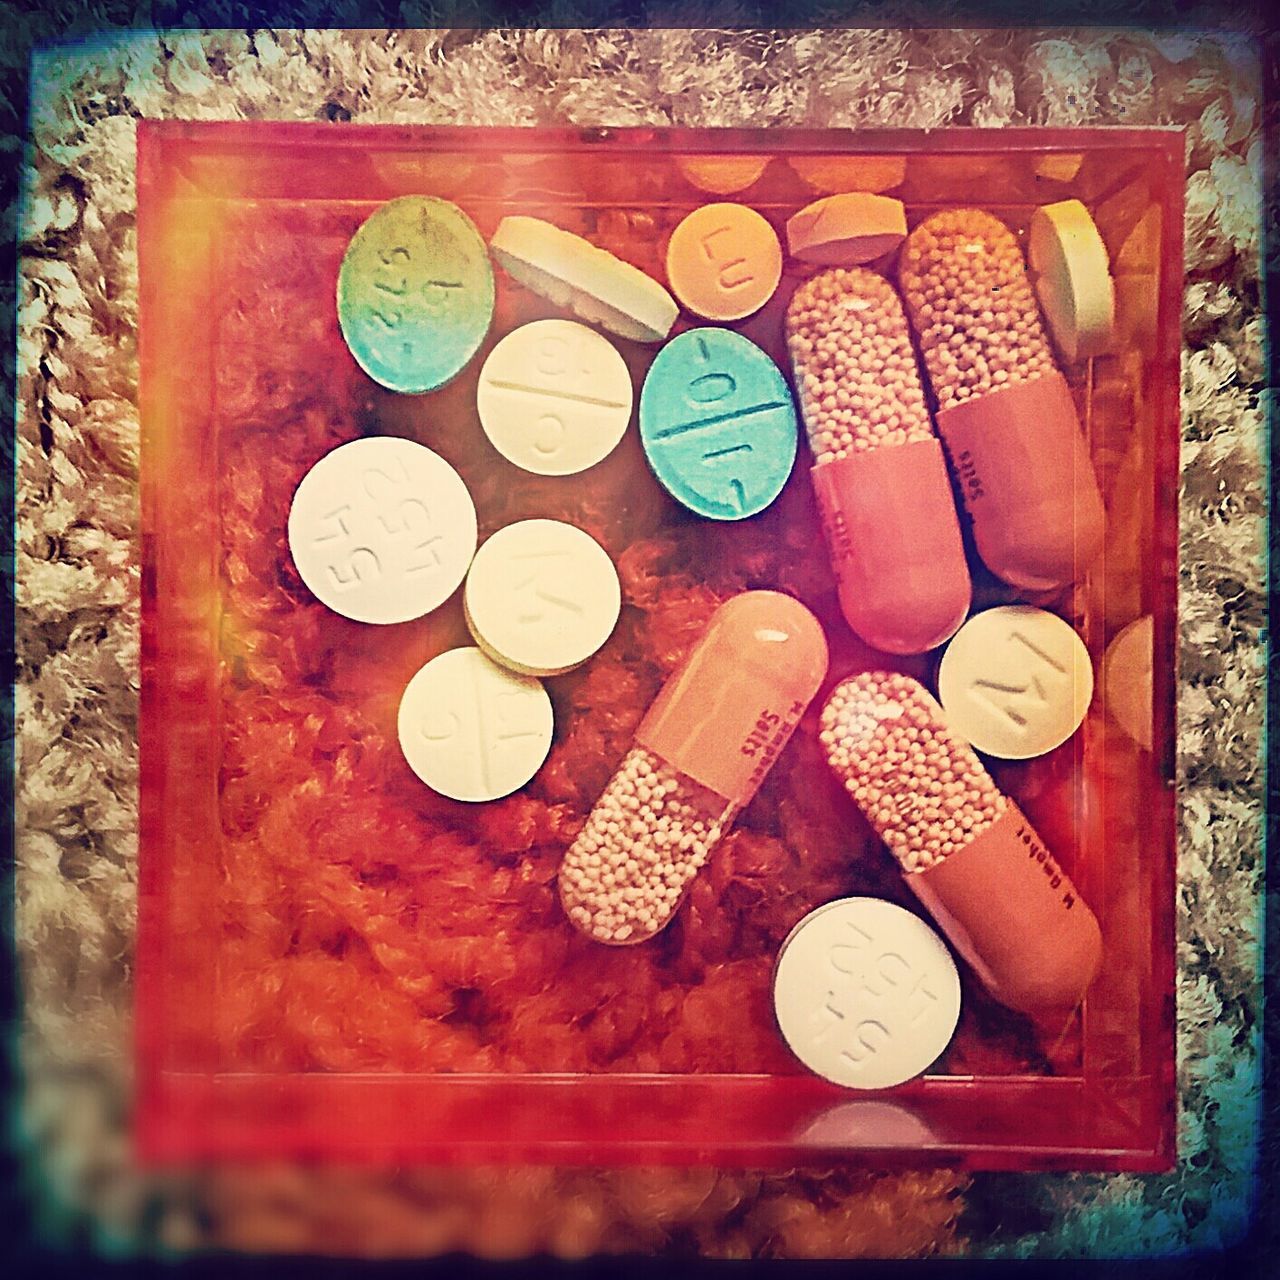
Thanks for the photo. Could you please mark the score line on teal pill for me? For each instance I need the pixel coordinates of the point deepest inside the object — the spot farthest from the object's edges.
(718, 424)
(415, 293)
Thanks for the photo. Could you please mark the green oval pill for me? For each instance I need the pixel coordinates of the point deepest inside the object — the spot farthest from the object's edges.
(415, 293)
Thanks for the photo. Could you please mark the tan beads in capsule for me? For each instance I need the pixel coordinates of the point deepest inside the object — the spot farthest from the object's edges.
(967, 852)
(921, 787)
(854, 366)
(647, 837)
(971, 305)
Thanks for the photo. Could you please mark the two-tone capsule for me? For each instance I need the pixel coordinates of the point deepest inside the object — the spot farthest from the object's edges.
(880, 475)
(701, 752)
(1004, 411)
(965, 849)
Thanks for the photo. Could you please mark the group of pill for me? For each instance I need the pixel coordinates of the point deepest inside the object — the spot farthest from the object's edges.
(383, 530)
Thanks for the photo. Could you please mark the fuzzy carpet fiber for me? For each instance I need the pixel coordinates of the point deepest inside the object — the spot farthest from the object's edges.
(77, 566)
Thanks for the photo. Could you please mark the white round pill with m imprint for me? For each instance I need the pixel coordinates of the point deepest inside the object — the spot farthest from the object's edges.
(866, 994)
(472, 730)
(1072, 278)
(541, 597)
(382, 530)
(554, 397)
(1015, 681)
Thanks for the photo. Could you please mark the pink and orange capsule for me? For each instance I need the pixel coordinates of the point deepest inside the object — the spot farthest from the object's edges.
(701, 752)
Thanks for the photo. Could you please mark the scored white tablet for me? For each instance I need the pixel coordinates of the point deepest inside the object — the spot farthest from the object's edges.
(382, 530)
(554, 397)
(542, 596)
(866, 994)
(472, 730)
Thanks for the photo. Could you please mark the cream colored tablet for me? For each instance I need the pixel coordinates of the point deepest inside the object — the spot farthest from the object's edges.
(724, 261)
(1015, 681)
(847, 229)
(591, 282)
(1072, 277)
(382, 530)
(722, 175)
(541, 597)
(472, 730)
(554, 397)
(866, 994)
(1126, 680)
(850, 173)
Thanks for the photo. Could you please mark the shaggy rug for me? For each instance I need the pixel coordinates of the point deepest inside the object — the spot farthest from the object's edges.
(77, 567)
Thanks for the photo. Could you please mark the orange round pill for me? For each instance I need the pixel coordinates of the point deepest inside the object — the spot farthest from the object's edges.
(724, 261)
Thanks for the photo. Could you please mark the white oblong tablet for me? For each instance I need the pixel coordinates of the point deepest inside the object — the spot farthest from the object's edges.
(542, 597)
(382, 530)
(472, 730)
(590, 281)
(866, 994)
(1072, 277)
(1015, 681)
(554, 397)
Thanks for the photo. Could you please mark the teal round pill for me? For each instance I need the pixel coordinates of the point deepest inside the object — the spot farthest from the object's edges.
(718, 423)
(415, 293)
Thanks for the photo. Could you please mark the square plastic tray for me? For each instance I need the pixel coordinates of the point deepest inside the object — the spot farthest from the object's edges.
(333, 961)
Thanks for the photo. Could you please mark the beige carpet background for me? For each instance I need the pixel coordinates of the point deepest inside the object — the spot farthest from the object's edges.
(77, 566)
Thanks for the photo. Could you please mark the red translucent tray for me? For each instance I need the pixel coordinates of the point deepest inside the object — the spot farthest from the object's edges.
(331, 960)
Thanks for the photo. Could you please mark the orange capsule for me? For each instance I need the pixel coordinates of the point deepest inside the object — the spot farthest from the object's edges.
(1004, 411)
(966, 850)
(880, 475)
(701, 752)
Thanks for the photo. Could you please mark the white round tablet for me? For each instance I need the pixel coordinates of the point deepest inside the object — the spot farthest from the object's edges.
(866, 994)
(472, 730)
(382, 530)
(1015, 681)
(541, 597)
(554, 397)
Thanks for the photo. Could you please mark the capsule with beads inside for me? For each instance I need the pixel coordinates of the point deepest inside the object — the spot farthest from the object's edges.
(965, 848)
(1004, 410)
(879, 472)
(700, 754)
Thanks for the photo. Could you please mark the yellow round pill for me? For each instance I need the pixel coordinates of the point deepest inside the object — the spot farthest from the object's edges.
(724, 261)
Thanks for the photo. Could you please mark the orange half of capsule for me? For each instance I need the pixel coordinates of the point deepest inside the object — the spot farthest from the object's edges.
(894, 537)
(724, 716)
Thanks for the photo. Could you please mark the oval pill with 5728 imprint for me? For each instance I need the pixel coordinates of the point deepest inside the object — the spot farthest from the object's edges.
(382, 530)
(554, 397)
(472, 730)
(541, 597)
(724, 261)
(415, 293)
(866, 994)
(1015, 681)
